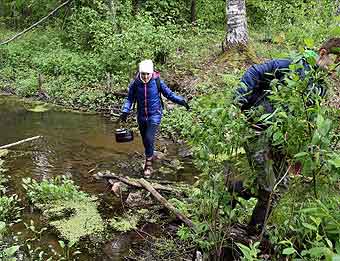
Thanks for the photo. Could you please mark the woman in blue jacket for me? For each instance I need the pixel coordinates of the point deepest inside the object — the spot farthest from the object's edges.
(146, 90)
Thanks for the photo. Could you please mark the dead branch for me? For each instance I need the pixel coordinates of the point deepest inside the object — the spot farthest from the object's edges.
(19, 142)
(35, 24)
(165, 203)
(235, 233)
(134, 183)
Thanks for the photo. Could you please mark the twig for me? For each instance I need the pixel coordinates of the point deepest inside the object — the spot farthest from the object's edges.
(35, 24)
(19, 142)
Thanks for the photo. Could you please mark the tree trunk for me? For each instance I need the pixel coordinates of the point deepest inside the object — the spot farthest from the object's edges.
(112, 8)
(237, 32)
(337, 7)
(193, 11)
(135, 6)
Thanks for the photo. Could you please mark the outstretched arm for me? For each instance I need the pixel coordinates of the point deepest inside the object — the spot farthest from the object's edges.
(171, 95)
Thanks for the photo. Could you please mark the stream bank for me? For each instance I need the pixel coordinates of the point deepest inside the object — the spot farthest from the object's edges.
(77, 145)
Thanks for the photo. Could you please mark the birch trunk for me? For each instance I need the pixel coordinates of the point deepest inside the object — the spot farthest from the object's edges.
(337, 7)
(237, 32)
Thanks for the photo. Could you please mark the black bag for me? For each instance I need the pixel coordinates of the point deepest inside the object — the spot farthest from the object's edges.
(123, 135)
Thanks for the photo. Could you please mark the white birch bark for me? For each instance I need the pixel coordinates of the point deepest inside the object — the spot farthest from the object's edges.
(337, 7)
(237, 32)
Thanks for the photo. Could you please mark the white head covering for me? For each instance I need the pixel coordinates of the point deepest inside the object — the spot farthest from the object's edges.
(146, 66)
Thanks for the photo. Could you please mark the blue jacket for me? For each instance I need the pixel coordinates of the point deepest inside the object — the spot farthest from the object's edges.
(147, 96)
(255, 83)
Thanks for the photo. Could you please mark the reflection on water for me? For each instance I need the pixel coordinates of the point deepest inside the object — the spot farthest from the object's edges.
(72, 143)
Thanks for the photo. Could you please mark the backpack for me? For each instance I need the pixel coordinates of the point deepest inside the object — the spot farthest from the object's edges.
(158, 82)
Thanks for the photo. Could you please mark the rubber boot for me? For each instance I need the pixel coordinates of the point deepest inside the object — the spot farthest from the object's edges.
(260, 213)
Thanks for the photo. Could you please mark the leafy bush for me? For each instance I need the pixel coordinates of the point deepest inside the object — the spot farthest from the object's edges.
(290, 22)
(171, 11)
(47, 191)
(9, 209)
(87, 29)
(310, 227)
(217, 131)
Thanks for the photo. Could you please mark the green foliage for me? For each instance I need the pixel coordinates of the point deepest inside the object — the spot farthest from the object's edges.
(8, 254)
(47, 191)
(171, 11)
(310, 227)
(20, 12)
(211, 13)
(87, 29)
(289, 22)
(249, 253)
(9, 209)
(214, 133)
(301, 124)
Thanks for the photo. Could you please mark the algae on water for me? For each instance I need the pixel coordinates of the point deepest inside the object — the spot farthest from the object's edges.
(124, 223)
(72, 212)
(39, 108)
(84, 219)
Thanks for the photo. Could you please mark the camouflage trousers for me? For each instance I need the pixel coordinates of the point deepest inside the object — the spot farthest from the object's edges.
(268, 162)
(270, 166)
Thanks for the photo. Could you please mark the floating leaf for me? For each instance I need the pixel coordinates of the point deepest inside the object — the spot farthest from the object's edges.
(39, 108)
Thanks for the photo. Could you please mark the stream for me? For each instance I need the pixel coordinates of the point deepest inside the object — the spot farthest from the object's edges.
(77, 145)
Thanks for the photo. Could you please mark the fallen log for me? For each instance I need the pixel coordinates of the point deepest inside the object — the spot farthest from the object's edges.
(135, 183)
(234, 233)
(19, 142)
(165, 203)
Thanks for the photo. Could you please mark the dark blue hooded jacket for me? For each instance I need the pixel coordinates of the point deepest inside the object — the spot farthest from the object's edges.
(147, 96)
(256, 82)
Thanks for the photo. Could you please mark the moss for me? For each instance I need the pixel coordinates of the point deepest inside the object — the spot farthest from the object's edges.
(81, 218)
(124, 223)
